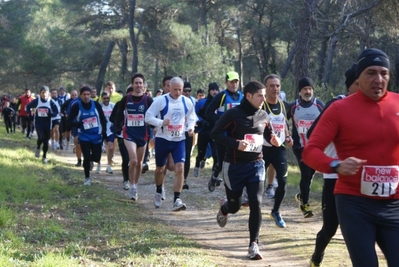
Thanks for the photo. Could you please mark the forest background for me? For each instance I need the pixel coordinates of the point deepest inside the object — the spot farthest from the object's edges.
(72, 42)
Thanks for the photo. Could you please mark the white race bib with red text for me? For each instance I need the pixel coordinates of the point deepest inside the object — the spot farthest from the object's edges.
(255, 142)
(90, 123)
(42, 112)
(135, 120)
(379, 181)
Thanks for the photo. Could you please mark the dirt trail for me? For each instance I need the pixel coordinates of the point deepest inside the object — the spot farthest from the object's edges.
(291, 246)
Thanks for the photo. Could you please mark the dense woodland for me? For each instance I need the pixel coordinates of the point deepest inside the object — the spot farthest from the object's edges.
(71, 42)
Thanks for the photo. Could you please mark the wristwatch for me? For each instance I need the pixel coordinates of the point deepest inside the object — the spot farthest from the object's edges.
(334, 165)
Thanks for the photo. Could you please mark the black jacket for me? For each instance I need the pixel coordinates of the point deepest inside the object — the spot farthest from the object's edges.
(233, 125)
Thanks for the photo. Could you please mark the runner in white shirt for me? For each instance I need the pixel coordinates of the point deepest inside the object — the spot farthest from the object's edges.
(169, 114)
(109, 141)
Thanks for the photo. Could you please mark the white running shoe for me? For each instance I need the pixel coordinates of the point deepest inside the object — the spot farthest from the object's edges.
(44, 160)
(133, 193)
(163, 194)
(253, 252)
(157, 200)
(109, 170)
(37, 152)
(98, 170)
(87, 181)
(67, 146)
(126, 185)
(269, 192)
(179, 205)
(220, 217)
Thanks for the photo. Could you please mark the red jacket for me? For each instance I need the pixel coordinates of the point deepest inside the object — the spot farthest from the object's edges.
(363, 128)
(23, 101)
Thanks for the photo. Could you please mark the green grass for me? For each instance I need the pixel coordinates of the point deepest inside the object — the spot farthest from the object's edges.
(48, 218)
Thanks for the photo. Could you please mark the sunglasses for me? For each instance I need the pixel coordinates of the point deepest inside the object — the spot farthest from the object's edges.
(105, 97)
(187, 91)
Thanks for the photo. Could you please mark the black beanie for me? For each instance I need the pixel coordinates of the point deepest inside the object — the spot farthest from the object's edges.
(350, 75)
(187, 85)
(85, 88)
(305, 81)
(213, 86)
(371, 57)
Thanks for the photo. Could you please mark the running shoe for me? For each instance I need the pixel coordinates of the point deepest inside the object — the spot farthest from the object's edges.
(87, 181)
(220, 217)
(37, 152)
(67, 146)
(157, 200)
(178, 205)
(144, 168)
(253, 252)
(163, 197)
(109, 170)
(314, 264)
(91, 165)
(202, 164)
(298, 198)
(196, 172)
(133, 193)
(306, 210)
(79, 164)
(185, 185)
(126, 185)
(44, 160)
(269, 192)
(98, 170)
(276, 217)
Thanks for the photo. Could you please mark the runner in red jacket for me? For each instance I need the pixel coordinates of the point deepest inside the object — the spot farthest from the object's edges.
(364, 128)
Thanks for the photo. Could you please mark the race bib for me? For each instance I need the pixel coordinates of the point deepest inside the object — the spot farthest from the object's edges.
(107, 113)
(255, 142)
(90, 123)
(42, 112)
(135, 120)
(379, 181)
(175, 130)
(304, 125)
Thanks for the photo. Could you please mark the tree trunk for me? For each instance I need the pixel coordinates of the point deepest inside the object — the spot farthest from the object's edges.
(103, 66)
(204, 20)
(258, 58)
(240, 56)
(156, 74)
(132, 34)
(287, 63)
(322, 59)
(303, 40)
(333, 44)
(123, 75)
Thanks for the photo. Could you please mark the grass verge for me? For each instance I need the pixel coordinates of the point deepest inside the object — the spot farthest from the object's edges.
(48, 218)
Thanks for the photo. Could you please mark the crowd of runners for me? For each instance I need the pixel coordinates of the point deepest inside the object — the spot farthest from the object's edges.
(247, 133)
